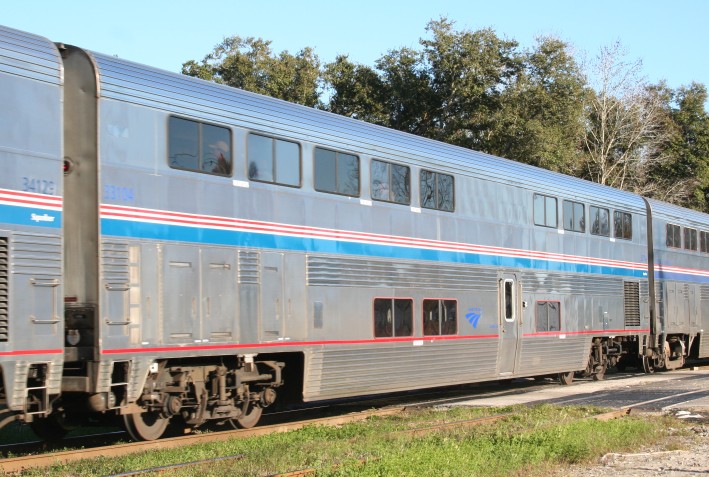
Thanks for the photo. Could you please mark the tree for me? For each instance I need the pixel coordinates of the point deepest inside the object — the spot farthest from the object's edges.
(356, 91)
(625, 136)
(469, 72)
(540, 121)
(250, 64)
(683, 179)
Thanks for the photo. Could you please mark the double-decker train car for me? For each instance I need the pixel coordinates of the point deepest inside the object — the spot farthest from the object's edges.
(174, 249)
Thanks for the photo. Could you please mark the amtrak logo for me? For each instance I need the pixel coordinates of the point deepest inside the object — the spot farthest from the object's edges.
(42, 218)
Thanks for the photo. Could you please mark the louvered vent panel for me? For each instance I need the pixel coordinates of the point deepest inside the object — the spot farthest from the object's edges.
(4, 290)
(249, 267)
(632, 303)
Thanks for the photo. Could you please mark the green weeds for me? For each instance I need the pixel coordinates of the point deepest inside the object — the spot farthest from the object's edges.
(534, 440)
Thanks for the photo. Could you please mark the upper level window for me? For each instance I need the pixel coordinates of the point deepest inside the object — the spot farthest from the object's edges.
(574, 216)
(674, 239)
(200, 147)
(545, 211)
(440, 317)
(704, 242)
(391, 182)
(393, 317)
(623, 225)
(690, 239)
(437, 191)
(336, 172)
(600, 221)
(273, 160)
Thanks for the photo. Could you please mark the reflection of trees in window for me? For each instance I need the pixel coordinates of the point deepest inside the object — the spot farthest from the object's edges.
(393, 317)
(690, 239)
(545, 211)
(600, 221)
(336, 172)
(440, 317)
(623, 225)
(437, 191)
(200, 147)
(704, 242)
(548, 316)
(574, 217)
(390, 182)
(674, 239)
(273, 160)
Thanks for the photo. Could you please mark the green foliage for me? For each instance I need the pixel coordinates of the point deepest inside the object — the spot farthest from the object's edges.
(686, 175)
(532, 441)
(478, 90)
(250, 64)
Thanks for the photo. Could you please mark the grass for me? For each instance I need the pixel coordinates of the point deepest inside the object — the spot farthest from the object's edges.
(536, 440)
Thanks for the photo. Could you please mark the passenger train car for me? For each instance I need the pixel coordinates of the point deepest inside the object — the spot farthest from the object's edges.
(177, 250)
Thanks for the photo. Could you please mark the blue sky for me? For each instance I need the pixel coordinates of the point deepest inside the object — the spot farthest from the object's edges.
(670, 37)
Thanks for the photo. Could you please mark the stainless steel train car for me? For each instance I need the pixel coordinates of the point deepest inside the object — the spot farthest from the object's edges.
(177, 250)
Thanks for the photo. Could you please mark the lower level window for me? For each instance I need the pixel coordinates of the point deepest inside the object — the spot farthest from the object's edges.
(548, 316)
(440, 317)
(393, 317)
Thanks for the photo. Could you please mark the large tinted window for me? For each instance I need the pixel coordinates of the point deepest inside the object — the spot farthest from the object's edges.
(393, 317)
(704, 242)
(199, 147)
(336, 172)
(690, 239)
(545, 210)
(623, 225)
(391, 182)
(437, 191)
(273, 160)
(600, 221)
(440, 317)
(574, 216)
(548, 316)
(674, 239)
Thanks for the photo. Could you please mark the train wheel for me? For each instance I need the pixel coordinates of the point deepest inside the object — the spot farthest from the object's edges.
(648, 365)
(249, 419)
(49, 429)
(600, 373)
(147, 426)
(566, 378)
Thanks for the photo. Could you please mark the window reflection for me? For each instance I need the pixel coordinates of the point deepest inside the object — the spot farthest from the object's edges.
(200, 147)
(437, 191)
(336, 172)
(273, 160)
(390, 182)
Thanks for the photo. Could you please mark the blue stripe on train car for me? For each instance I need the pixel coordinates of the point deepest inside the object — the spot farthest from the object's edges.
(175, 233)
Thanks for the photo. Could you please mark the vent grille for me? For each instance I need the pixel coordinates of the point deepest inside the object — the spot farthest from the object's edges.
(248, 267)
(356, 272)
(632, 303)
(4, 290)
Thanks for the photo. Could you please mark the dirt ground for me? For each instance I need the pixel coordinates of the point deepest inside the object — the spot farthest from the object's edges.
(680, 456)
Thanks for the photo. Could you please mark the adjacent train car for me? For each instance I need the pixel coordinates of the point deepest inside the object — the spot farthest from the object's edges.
(31, 190)
(207, 248)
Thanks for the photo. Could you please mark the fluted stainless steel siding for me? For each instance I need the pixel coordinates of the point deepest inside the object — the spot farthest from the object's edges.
(30, 56)
(363, 272)
(352, 371)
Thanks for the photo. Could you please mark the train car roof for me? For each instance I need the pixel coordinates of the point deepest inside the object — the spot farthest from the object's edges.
(678, 215)
(30, 56)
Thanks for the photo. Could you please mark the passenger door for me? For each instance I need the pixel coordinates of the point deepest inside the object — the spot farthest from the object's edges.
(509, 318)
